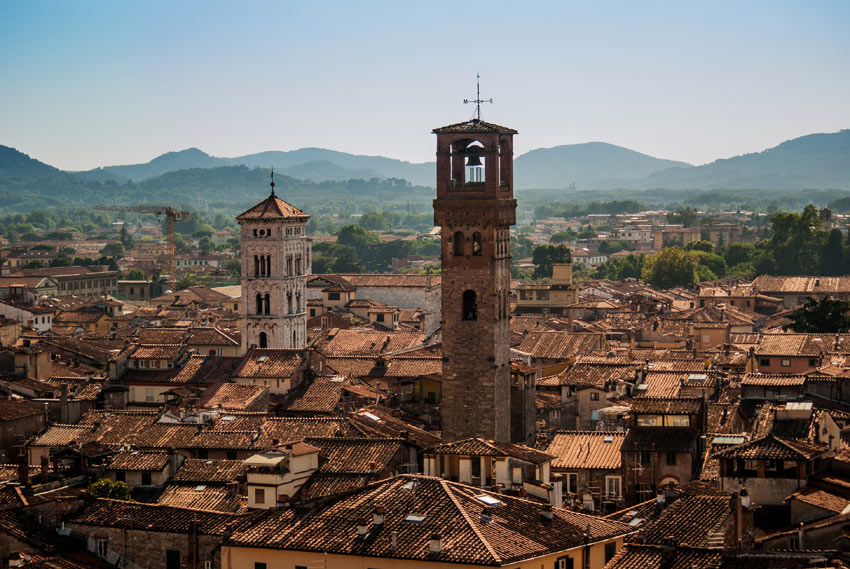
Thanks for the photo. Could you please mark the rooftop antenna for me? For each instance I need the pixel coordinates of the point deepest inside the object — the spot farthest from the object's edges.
(272, 183)
(477, 100)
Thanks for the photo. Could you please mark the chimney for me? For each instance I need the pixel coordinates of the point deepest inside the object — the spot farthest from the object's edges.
(669, 544)
(394, 540)
(23, 471)
(45, 468)
(546, 511)
(378, 515)
(436, 543)
(487, 514)
(362, 528)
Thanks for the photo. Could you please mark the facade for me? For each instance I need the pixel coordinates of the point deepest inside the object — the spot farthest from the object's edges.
(475, 208)
(275, 265)
(552, 298)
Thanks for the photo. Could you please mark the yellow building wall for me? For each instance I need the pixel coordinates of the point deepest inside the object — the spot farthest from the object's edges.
(245, 557)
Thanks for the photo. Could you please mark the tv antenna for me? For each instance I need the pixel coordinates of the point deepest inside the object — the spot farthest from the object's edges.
(477, 100)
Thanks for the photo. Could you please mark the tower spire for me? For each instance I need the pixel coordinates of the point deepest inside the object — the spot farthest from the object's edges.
(272, 182)
(477, 100)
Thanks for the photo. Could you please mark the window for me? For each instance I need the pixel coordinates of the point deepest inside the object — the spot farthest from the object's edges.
(671, 459)
(458, 244)
(264, 340)
(813, 362)
(333, 296)
(764, 362)
(542, 295)
(146, 479)
(203, 453)
(379, 317)
(564, 563)
(312, 312)
(679, 420)
(476, 244)
(208, 564)
(259, 496)
(525, 294)
(645, 458)
(119, 476)
(610, 551)
(469, 310)
(258, 565)
(149, 394)
(786, 362)
(571, 482)
(102, 548)
(172, 559)
(231, 455)
(613, 486)
(594, 396)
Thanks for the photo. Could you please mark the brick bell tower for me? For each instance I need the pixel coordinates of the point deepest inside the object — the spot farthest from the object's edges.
(475, 208)
(275, 265)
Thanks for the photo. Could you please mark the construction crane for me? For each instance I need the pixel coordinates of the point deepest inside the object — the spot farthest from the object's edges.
(171, 215)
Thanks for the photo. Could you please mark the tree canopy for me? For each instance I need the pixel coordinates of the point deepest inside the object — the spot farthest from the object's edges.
(826, 316)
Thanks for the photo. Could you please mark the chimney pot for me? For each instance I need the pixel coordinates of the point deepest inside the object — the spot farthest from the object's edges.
(546, 511)
(361, 527)
(378, 515)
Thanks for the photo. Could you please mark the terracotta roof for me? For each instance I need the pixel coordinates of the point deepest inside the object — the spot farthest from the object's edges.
(155, 517)
(355, 455)
(638, 556)
(476, 446)
(662, 439)
(516, 530)
(273, 208)
(269, 363)
(232, 396)
(138, 460)
(473, 126)
(586, 374)
(367, 280)
(821, 499)
(772, 447)
(554, 344)
(802, 285)
(197, 471)
(358, 342)
(322, 396)
(774, 380)
(201, 497)
(669, 406)
(158, 352)
(376, 422)
(209, 336)
(587, 449)
(11, 410)
(802, 345)
(321, 485)
(207, 369)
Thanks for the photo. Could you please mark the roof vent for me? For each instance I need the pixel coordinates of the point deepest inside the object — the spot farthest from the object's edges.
(414, 518)
(361, 527)
(436, 543)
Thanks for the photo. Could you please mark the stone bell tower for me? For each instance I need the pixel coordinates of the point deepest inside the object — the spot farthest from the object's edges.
(475, 208)
(275, 264)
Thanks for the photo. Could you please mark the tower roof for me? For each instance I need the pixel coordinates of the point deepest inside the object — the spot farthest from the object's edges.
(273, 208)
(474, 126)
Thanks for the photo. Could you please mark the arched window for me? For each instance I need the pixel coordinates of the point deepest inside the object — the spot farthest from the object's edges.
(268, 303)
(470, 305)
(476, 244)
(264, 341)
(289, 303)
(268, 265)
(459, 243)
(259, 304)
(256, 265)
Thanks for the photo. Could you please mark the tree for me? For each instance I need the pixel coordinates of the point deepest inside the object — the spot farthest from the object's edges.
(702, 245)
(686, 216)
(736, 253)
(832, 257)
(544, 256)
(188, 280)
(563, 237)
(234, 267)
(115, 490)
(126, 238)
(825, 316)
(136, 275)
(670, 268)
(112, 250)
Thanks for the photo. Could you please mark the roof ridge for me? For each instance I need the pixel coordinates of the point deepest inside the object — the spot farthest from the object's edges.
(449, 490)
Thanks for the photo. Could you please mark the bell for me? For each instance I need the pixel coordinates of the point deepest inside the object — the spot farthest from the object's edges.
(474, 160)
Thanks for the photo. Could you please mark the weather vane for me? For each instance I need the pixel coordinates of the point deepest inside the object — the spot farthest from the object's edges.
(272, 183)
(477, 100)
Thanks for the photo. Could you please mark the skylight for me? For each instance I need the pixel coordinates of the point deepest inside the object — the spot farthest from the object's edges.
(415, 518)
(487, 499)
(608, 439)
(200, 488)
(261, 359)
(636, 522)
(371, 416)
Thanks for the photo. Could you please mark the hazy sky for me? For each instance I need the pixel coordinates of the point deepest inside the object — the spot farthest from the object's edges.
(85, 84)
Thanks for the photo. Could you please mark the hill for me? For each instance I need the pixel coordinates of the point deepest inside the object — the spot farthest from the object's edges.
(812, 161)
(592, 165)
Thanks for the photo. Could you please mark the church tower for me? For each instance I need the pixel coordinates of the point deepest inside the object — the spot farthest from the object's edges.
(475, 208)
(275, 264)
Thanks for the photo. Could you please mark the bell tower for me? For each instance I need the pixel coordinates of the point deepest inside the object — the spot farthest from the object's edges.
(275, 264)
(475, 208)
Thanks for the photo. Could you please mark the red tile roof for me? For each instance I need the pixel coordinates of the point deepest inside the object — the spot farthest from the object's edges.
(587, 449)
(476, 446)
(273, 208)
(138, 460)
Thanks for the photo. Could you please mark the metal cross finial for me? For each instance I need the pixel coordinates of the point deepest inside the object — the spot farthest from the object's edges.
(477, 100)
(272, 183)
